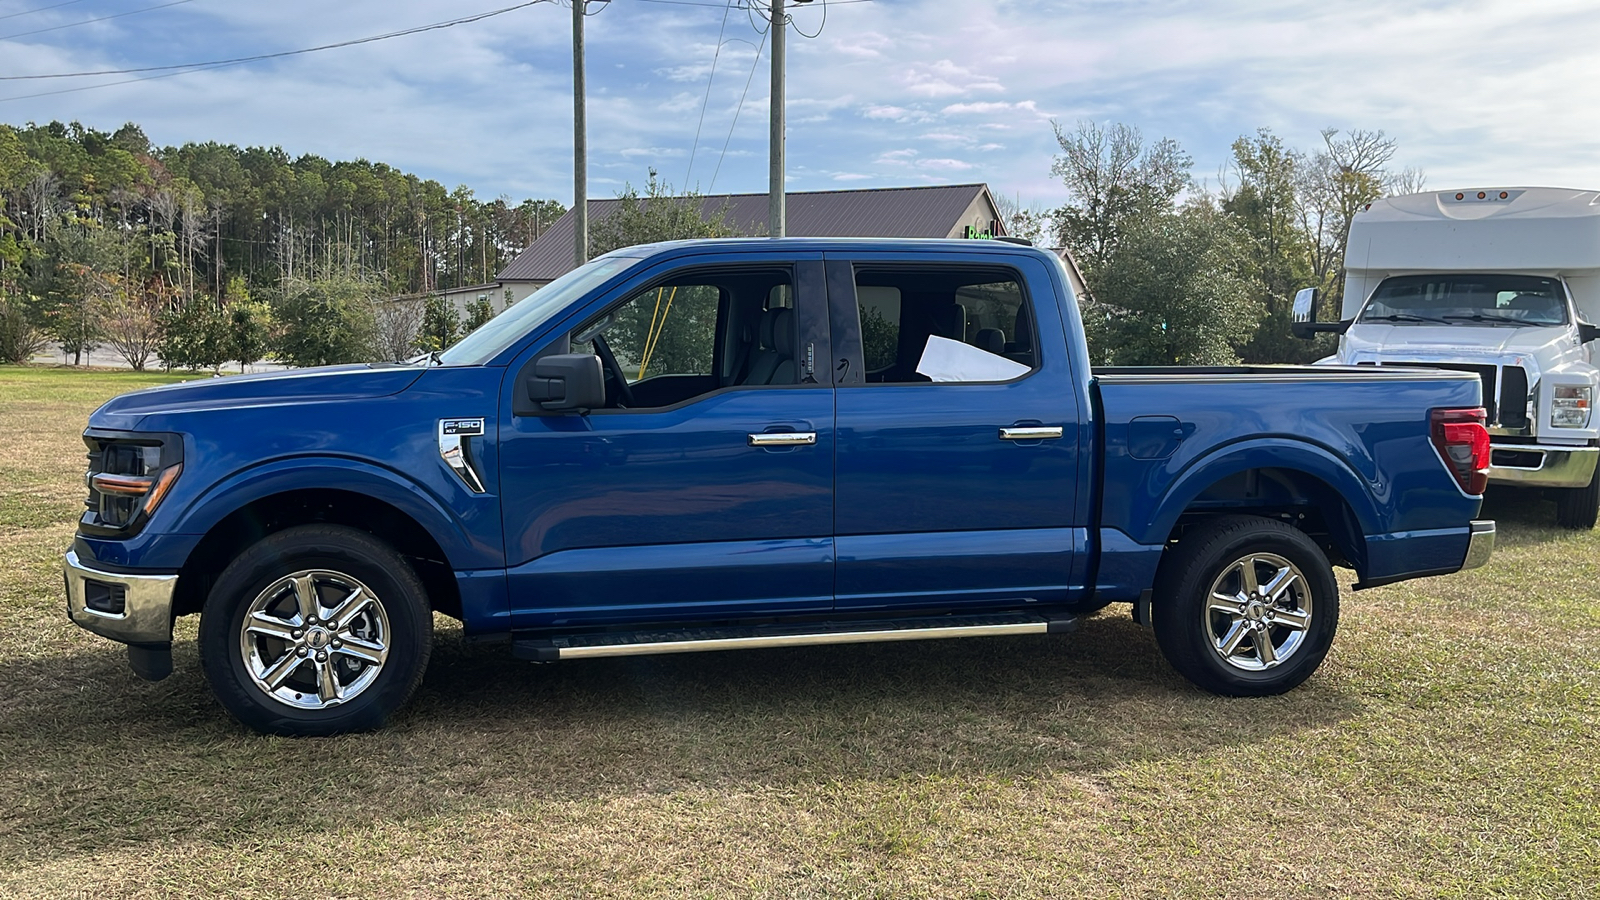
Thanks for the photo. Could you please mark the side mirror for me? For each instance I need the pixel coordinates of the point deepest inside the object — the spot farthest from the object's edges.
(1587, 332)
(1304, 314)
(568, 382)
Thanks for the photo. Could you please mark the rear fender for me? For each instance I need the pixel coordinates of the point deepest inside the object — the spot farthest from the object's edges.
(1270, 453)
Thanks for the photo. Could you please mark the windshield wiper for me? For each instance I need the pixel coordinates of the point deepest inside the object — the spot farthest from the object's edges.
(1492, 317)
(1404, 317)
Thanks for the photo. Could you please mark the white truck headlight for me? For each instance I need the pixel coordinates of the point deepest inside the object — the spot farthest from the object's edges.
(1569, 406)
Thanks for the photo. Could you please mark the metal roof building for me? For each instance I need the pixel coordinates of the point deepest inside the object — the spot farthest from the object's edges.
(941, 211)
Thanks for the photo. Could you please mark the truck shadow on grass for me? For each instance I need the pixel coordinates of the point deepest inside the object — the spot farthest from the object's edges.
(1522, 516)
(97, 760)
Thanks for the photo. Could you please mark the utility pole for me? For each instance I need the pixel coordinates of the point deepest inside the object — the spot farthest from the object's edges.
(580, 143)
(777, 211)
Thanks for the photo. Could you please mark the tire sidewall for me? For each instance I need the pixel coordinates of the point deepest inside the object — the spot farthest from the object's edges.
(1180, 617)
(337, 549)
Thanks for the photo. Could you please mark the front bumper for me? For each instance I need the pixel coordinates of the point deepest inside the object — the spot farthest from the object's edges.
(1480, 544)
(1532, 465)
(133, 609)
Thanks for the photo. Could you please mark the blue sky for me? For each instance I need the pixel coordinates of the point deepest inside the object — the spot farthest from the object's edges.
(891, 92)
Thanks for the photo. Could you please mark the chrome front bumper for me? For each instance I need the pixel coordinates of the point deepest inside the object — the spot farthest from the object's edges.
(1543, 466)
(1480, 545)
(133, 609)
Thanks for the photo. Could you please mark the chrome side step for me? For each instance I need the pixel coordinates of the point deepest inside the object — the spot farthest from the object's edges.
(700, 640)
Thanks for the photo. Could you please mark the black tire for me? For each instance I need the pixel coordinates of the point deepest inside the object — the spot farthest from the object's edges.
(1297, 629)
(394, 628)
(1577, 508)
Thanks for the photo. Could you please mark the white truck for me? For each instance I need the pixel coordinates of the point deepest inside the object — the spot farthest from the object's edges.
(1502, 282)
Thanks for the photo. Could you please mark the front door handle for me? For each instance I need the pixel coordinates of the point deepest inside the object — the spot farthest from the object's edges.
(1030, 433)
(783, 439)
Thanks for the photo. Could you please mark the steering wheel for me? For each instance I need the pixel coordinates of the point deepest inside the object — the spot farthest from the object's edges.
(624, 390)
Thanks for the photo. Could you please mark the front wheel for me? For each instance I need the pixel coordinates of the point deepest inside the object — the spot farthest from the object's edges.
(315, 630)
(1245, 606)
(1578, 508)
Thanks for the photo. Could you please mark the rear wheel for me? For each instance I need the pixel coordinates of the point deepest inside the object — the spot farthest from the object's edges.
(318, 629)
(1245, 606)
(1579, 507)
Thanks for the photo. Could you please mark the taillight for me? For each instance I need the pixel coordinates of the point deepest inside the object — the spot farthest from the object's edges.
(1463, 443)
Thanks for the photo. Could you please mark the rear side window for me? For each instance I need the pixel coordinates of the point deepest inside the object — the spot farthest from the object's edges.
(944, 325)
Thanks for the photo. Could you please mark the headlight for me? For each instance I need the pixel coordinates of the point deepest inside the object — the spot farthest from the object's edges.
(129, 475)
(1569, 406)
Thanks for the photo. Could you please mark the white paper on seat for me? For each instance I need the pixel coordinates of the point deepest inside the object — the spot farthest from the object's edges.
(947, 360)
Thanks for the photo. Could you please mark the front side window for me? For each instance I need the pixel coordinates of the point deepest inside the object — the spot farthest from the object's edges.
(1468, 299)
(695, 334)
(943, 325)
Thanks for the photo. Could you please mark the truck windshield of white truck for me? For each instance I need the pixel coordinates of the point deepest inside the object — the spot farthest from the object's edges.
(1469, 300)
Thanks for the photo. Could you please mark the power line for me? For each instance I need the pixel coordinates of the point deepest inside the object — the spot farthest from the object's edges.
(736, 111)
(717, 54)
(131, 12)
(38, 9)
(216, 63)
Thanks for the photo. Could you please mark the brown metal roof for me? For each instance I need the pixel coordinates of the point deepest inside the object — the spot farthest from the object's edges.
(910, 212)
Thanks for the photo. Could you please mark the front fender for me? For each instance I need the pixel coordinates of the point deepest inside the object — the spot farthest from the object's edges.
(461, 548)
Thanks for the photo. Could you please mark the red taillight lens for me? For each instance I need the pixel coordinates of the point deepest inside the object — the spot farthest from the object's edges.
(1463, 443)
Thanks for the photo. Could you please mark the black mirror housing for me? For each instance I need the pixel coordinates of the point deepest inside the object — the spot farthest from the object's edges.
(568, 382)
(1308, 330)
(1587, 332)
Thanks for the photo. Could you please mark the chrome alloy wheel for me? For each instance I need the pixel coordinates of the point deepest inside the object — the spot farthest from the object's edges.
(314, 639)
(1259, 612)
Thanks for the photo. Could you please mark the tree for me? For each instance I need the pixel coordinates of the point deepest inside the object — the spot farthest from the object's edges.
(194, 336)
(1262, 207)
(327, 322)
(19, 340)
(1169, 295)
(249, 330)
(478, 313)
(397, 326)
(440, 327)
(130, 317)
(1113, 182)
(659, 215)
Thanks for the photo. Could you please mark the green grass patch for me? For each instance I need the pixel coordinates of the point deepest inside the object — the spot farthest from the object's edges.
(1446, 749)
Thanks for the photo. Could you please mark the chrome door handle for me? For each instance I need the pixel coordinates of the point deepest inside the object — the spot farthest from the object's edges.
(783, 439)
(1030, 433)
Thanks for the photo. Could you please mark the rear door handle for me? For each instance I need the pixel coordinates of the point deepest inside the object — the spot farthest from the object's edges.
(786, 438)
(1030, 433)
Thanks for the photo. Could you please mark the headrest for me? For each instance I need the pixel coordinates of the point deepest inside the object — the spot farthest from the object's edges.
(768, 316)
(1024, 332)
(783, 332)
(990, 340)
(951, 321)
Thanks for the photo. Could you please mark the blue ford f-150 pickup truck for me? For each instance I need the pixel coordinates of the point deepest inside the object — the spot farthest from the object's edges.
(747, 443)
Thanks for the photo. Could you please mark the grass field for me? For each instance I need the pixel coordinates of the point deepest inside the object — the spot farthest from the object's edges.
(1449, 747)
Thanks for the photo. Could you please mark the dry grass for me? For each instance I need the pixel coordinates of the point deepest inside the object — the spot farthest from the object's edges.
(1449, 747)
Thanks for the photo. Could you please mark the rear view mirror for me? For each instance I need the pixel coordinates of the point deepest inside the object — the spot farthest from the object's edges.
(1587, 332)
(568, 382)
(1303, 322)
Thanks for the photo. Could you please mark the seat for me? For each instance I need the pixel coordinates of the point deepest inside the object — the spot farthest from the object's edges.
(990, 340)
(951, 322)
(773, 361)
(1021, 349)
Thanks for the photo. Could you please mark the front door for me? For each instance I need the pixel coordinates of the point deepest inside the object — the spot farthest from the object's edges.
(704, 488)
(958, 444)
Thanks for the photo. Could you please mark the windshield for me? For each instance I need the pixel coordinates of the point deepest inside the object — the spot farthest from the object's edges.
(500, 332)
(1469, 299)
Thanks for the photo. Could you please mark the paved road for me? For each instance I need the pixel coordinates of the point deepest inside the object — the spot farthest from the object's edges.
(108, 358)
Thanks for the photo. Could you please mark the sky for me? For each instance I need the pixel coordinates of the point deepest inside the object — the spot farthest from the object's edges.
(881, 93)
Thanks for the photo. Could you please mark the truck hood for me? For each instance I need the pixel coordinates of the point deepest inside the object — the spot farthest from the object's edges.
(1466, 343)
(325, 383)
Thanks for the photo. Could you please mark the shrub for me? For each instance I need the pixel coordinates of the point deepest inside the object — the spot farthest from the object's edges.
(19, 339)
(327, 322)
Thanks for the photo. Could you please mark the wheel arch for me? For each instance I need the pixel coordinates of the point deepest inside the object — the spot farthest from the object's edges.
(255, 504)
(1300, 483)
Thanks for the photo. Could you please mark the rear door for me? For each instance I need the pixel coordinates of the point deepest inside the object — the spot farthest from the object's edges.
(961, 491)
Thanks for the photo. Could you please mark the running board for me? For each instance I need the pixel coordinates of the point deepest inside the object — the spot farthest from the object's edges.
(700, 640)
